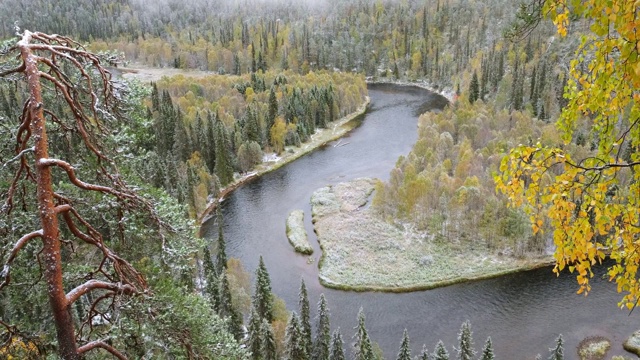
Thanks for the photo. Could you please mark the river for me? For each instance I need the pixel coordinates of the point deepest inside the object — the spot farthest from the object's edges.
(523, 313)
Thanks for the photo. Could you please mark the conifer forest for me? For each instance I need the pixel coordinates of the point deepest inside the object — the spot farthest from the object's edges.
(155, 156)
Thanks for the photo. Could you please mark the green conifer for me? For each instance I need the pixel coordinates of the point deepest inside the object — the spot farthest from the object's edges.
(425, 353)
(440, 352)
(305, 318)
(321, 349)
(223, 168)
(405, 350)
(474, 88)
(221, 254)
(293, 348)
(262, 297)
(465, 351)
(268, 342)
(557, 353)
(362, 348)
(487, 351)
(211, 277)
(337, 346)
(254, 340)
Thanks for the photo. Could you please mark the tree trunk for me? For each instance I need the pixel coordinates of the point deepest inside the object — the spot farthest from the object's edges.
(47, 212)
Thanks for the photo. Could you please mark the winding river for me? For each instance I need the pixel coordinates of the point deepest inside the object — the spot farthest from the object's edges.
(523, 313)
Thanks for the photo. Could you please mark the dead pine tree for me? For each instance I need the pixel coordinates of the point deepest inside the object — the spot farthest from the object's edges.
(59, 67)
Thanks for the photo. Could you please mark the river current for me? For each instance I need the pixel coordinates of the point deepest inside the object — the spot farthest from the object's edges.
(523, 313)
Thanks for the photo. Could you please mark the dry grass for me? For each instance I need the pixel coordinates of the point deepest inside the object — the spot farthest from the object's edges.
(362, 252)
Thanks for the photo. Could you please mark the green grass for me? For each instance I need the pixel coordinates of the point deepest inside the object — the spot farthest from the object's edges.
(362, 252)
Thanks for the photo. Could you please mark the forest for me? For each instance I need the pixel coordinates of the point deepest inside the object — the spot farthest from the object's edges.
(128, 167)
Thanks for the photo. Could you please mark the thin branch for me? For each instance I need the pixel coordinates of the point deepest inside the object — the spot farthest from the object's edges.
(91, 285)
(6, 271)
(13, 71)
(81, 184)
(21, 154)
(101, 344)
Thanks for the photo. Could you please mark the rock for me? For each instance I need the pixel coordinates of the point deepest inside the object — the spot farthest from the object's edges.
(632, 344)
(593, 348)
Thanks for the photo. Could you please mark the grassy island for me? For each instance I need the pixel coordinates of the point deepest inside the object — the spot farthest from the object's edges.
(362, 252)
(297, 234)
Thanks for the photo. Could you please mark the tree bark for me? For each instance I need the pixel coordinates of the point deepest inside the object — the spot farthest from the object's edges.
(47, 211)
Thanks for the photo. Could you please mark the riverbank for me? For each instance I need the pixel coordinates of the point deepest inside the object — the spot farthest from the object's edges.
(334, 131)
(362, 252)
(447, 93)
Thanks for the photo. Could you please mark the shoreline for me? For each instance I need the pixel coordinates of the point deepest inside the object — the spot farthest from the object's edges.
(447, 93)
(322, 137)
(361, 252)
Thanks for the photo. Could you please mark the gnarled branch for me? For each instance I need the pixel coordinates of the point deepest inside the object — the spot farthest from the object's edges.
(103, 345)
(91, 285)
(6, 271)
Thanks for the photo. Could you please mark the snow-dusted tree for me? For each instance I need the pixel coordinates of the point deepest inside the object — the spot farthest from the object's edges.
(254, 329)
(487, 351)
(362, 348)
(440, 352)
(267, 341)
(293, 348)
(465, 339)
(305, 318)
(322, 344)
(55, 66)
(425, 353)
(337, 346)
(557, 353)
(211, 278)
(262, 296)
(405, 350)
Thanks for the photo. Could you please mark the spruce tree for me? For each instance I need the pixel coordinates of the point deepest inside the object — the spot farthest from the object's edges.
(273, 110)
(211, 277)
(181, 140)
(425, 353)
(262, 296)
(305, 318)
(465, 351)
(221, 254)
(487, 351)
(362, 348)
(474, 88)
(557, 353)
(293, 348)
(227, 310)
(405, 350)
(321, 348)
(267, 341)
(337, 346)
(222, 168)
(254, 329)
(440, 352)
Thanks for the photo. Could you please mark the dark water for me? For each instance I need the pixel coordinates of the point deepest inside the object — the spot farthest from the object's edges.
(523, 313)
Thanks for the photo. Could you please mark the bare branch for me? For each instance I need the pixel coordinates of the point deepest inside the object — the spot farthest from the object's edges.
(21, 154)
(91, 285)
(6, 271)
(101, 344)
(81, 184)
(19, 69)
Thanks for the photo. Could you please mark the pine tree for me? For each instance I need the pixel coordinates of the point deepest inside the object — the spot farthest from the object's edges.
(262, 297)
(487, 351)
(557, 353)
(211, 277)
(268, 342)
(293, 348)
(362, 348)
(221, 255)
(273, 111)
(181, 140)
(254, 329)
(474, 89)
(440, 352)
(321, 349)
(209, 151)
(465, 352)
(337, 346)
(305, 318)
(405, 350)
